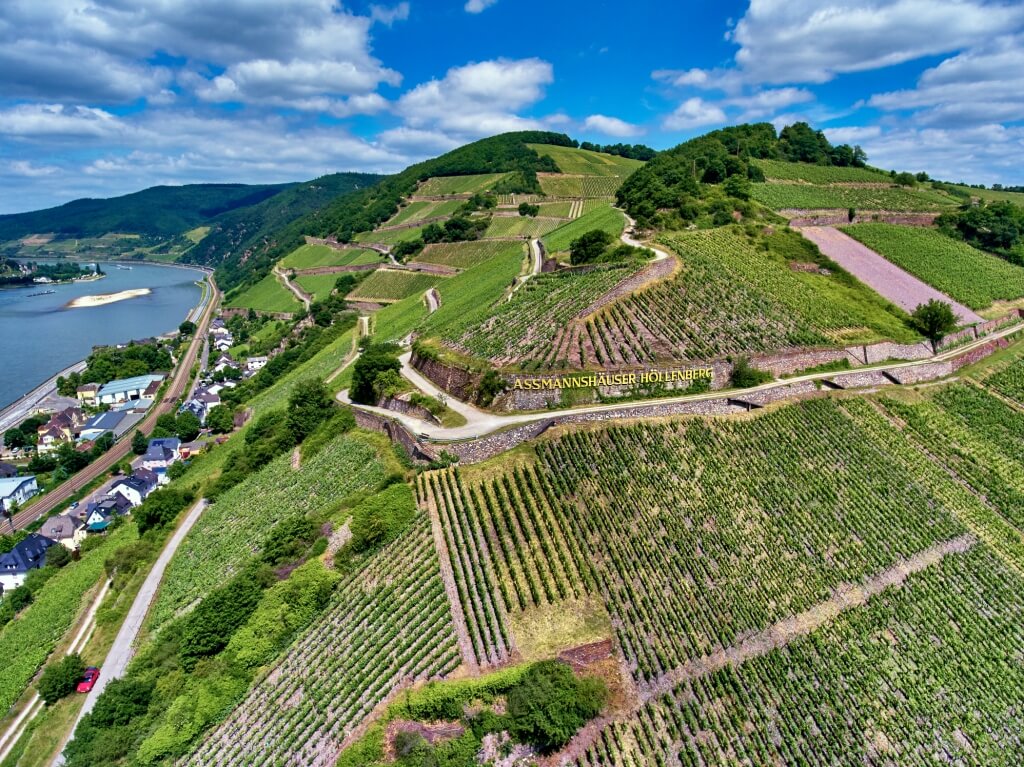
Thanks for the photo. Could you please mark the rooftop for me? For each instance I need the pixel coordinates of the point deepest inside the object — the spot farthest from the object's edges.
(129, 384)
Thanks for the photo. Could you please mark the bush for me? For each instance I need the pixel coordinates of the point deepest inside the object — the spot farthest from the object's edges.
(161, 507)
(61, 678)
(375, 359)
(551, 704)
(589, 247)
(744, 375)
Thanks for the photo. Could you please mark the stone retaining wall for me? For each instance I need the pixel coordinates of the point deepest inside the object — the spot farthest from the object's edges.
(396, 433)
(788, 363)
(458, 382)
(841, 217)
(974, 355)
(861, 380)
(919, 373)
(405, 407)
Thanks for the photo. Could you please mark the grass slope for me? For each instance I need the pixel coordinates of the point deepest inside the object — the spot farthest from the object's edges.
(968, 275)
(313, 256)
(601, 216)
(808, 197)
(392, 285)
(267, 295)
(587, 163)
(820, 174)
(464, 255)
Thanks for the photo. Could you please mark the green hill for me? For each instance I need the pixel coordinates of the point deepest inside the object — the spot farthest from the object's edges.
(159, 212)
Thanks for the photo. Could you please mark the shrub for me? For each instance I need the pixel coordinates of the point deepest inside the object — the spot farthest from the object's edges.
(61, 678)
(551, 704)
(745, 375)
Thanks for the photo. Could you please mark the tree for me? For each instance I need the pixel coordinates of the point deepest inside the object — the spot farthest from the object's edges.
(187, 426)
(15, 437)
(737, 186)
(61, 678)
(309, 405)
(933, 320)
(160, 508)
(745, 375)
(526, 209)
(551, 704)
(374, 360)
(220, 419)
(589, 247)
(57, 556)
(187, 328)
(905, 179)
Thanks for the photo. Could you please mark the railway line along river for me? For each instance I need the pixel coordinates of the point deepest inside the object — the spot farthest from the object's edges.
(42, 334)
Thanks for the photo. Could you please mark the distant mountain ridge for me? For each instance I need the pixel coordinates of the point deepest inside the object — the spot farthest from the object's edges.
(159, 211)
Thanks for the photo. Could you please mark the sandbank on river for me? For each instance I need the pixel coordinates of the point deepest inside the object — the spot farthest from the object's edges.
(107, 298)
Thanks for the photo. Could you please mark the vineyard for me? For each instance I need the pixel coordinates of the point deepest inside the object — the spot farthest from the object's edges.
(807, 197)
(1009, 381)
(267, 295)
(313, 256)
(446, 185)
(230, 530)
(386, 285)
(508, 548)
(417, 211)
(964, 273)
(587, 163)
(319, 286)
(555, 209)
(600, 216)
(390, 236)
(730, 297)
(388, 624)
(526, 326)
(558, 185)
(521, 226)
(27, 641)
(820, 174)
(921, 670)
(464, 255)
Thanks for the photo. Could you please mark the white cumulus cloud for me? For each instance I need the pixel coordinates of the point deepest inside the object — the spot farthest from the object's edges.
(478, 6)
(695, 112)
(611, 126)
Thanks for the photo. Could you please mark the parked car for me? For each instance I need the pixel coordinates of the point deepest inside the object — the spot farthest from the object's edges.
(74, 505)
(89, 679)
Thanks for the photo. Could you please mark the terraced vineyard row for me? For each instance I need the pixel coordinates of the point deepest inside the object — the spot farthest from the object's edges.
(312, 256)
(386, 285)
(820, 174)
(807, 197)
(509, 551)
(922, 674)
(527, 326)
(445, 185)
(230, 530)
(701, 531)
(600, 216)
(558, 185)
(521, 226)
(964, 273)
(730, 298)
(391, 236)
(419, 210)
(465, 255)
(388, 624)
(1009, 381)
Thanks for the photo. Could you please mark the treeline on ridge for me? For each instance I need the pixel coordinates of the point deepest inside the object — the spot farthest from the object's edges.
(684, 181)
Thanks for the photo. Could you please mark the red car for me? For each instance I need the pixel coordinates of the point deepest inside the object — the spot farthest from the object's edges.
(89, 679)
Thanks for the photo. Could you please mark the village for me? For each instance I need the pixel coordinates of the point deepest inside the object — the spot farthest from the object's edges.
(98, 416)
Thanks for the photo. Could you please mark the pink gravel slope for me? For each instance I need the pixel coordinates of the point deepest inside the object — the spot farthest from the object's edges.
(888, 280)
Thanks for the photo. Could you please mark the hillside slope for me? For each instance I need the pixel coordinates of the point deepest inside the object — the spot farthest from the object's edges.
(160, 211)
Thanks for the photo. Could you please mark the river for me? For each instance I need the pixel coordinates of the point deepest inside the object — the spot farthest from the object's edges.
(40, 335)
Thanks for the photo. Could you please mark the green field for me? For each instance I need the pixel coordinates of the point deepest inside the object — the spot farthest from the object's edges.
(555, 209)
(971, 276)
(445, 185)
(820, 174)
(601, 216)
(388, 621)
(464, 255)
(419, 210)
(229, 532)
(527, 326)
(521, 226)
(318, 285)
(579, 186)
(587, 163)
(313, 256)
(808, 197)
(391, 237)
(386, 285)
(267, 295)
(993, 194)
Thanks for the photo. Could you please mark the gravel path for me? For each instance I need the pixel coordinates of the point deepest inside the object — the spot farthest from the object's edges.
(887, 279)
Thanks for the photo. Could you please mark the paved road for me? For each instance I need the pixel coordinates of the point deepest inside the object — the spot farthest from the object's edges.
(433, 300)
(123, 649)
(60, 495)
(18, 411)
(299, 294)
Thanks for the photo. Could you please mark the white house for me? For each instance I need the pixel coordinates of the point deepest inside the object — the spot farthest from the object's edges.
(65, 530)
(161, 453)
(131, 488)
(17, 490)
(252, 364)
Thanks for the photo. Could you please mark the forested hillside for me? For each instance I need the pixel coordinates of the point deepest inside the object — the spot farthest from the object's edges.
(257, 229)
(160, 211)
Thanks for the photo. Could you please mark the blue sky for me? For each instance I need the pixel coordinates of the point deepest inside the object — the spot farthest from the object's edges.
(104, 97)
